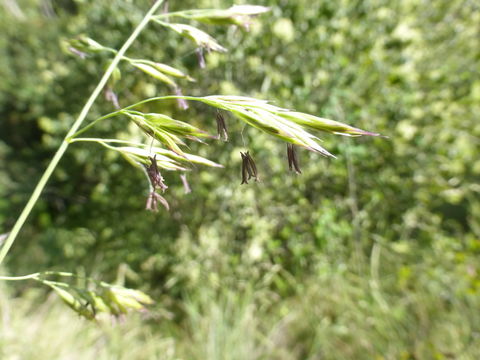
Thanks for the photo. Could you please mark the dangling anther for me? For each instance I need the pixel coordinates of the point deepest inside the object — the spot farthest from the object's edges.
(221, 127)
(292, 159)
(154, 175)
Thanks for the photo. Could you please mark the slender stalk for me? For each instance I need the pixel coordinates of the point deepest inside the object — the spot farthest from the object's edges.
(184, 13)
(101, 140)
(63, 147)
(119, 112)
(17, 278)
(40, 276)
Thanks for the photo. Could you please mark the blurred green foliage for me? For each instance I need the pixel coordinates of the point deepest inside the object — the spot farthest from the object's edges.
(374, 255)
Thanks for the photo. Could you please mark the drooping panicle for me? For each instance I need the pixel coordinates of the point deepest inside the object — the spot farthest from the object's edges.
(293, 163)
(222, 130)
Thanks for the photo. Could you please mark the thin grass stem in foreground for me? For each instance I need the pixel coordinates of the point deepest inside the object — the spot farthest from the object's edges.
(76, 125)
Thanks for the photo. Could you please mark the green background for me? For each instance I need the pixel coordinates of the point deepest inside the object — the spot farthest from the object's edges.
(373, 255)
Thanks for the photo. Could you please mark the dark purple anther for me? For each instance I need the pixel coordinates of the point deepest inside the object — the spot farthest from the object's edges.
(221, 127)
(154, 175)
